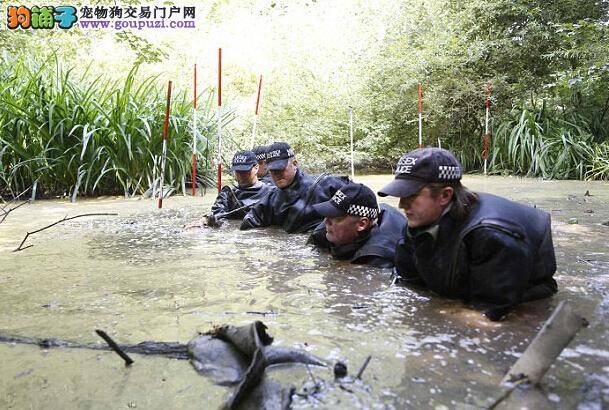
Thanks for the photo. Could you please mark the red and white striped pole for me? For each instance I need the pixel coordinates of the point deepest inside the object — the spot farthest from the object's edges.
(219, 120)
(194, 136)
(256, 113)
(420, 116)
(486, 134)
(164, 155)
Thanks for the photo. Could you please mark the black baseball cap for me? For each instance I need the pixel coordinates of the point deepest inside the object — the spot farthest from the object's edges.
(351, 199)
(277, 155)
(244, 161)
(260, 152)
(420, 167)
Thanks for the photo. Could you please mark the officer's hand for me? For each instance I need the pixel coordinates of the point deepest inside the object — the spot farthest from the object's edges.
(214, 222)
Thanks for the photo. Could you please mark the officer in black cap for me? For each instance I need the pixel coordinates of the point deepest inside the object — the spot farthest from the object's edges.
(263, 172)
(475, 246)
(290, 206)
(234, 201)
(356, 229)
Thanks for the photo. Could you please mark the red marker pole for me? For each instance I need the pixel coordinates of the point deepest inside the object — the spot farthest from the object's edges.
(486, 135)
(164, 155)
(219, 119)
(256, 113)
(420, 116)
(194, 136)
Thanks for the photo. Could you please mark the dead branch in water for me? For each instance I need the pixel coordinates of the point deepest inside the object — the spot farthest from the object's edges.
(3, 207)
(556, 333)
(11, 210)
(115, 347)
(361, 370)
(65, 218)
(170, 350)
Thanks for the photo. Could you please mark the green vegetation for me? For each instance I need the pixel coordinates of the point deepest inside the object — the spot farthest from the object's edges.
(83, 136)
(97, 129)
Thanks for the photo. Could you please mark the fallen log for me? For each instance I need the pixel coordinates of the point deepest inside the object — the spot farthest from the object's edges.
(554, 336)
(520, 384)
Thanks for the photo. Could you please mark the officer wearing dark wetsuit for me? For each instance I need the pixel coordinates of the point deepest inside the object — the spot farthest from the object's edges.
(290, 205)
(355, 229)
(474, 246)
(263, 172)
(234, 201)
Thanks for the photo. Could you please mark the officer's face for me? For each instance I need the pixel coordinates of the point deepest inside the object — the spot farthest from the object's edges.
(284, 177)
(247, 178)
(261, 168)
(345, 229)
(424, 209)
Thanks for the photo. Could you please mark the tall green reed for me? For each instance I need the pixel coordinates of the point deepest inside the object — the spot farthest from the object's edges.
(541, 143)
(82, 136)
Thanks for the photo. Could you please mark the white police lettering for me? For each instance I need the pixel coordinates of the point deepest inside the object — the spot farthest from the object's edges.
(405, 165)
(273, 154)
(338, 197)
(240, 159)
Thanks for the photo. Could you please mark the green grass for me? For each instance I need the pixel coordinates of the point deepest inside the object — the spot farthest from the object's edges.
(540, 143)
(81, 136)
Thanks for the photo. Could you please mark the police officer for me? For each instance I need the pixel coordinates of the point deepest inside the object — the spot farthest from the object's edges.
(263, 173)
(474, 246)
(290, 206)
(234, 201)
(355, 229)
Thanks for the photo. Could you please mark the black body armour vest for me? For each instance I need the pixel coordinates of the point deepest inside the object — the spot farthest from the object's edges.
(291, 207)
(443, 264)
(234, 197)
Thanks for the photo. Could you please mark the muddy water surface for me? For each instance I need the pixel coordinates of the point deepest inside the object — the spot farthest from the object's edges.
(140, 276)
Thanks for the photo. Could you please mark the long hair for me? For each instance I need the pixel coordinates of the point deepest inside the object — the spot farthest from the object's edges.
(463, 198)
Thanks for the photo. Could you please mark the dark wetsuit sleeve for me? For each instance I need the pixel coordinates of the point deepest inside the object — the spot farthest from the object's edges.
(222, 203)
(260, 215)
(405, 268)
(376, 261)
(499, 269)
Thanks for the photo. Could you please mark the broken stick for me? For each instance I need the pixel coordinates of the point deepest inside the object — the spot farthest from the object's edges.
(361, 370)
(65, 218)
(554, 336)
(115, 347)
(6, 212)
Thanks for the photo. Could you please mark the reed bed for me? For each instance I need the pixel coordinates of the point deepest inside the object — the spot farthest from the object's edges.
(72, 135)
(543, 144)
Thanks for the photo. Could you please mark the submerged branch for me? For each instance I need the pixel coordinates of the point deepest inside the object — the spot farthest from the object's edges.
(361, 370)
(14, 199)
(65, 218)
(115, 347)
(11, 210)
(171, 350)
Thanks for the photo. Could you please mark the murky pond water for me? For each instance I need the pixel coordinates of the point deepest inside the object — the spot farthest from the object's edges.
(140, 276)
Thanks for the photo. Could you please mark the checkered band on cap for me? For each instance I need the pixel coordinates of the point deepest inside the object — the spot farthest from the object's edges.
(260, 157)
(449, 172)
(363, 211)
